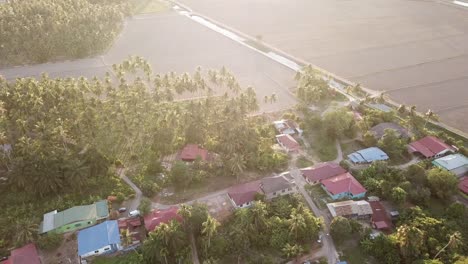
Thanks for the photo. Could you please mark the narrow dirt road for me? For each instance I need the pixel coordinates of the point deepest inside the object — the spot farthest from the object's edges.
(135, 202)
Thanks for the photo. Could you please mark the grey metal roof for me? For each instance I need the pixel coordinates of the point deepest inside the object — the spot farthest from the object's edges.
(274, 184)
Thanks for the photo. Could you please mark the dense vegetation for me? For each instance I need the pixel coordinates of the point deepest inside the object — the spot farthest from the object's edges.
(68, 135)
(248, 236)
(39, 31)
(264, 233)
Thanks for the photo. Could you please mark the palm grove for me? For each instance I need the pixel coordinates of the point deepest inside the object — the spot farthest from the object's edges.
(39, 31)
(67, 135)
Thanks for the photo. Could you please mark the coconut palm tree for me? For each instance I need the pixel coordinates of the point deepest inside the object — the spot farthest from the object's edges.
(296, 223)
(454, 241)
(209, 228)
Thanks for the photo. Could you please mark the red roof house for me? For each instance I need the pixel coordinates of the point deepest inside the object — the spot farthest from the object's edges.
(24, 255)
(192, 151)
(321, 172)
(243, 195)
(288, 143)
(429, 147)
(380, 219)
(157, 217)
(463, 185)
(343, 186)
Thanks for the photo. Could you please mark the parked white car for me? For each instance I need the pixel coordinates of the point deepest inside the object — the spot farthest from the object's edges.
(134, 213)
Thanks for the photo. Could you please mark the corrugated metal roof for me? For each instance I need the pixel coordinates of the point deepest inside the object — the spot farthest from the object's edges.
(98, 210)
(368, 155)
(451, 162)
(98, 236)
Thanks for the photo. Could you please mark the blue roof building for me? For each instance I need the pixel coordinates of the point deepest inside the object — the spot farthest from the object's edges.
(99, 239)
(368, 155)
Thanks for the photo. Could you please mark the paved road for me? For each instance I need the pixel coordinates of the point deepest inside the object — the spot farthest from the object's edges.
(327, 242)
(132, 204)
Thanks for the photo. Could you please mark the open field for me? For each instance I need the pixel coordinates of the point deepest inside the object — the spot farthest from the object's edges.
(171, 42)
(417, 51)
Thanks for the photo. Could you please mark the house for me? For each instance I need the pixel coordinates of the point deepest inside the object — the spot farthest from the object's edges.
(379, 130)
(288, 143)
(157, 217)
(350, 209)
(243, 195)
(103, 238)
(430, 147)
(463, 185)
(343, 186)
(380, 219)
(322, 171)
(192, 151)
(132, 224)
(367, 155)
(276, 186)
(74, 218)
(287, 127)
(23, 255)
(455, 163)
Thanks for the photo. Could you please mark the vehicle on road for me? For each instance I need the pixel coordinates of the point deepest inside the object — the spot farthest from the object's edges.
(122, 209)
(134, 213)
(319, 239)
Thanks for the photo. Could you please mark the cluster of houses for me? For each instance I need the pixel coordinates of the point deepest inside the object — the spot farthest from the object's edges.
(96, 233)
(288, 131)
(340, 184)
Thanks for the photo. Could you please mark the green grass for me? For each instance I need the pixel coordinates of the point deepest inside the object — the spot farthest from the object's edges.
(318, 195)
(303, 162)
(150, 6)
(122, 259)
(325, 149)
(436, 207)
(354, 255)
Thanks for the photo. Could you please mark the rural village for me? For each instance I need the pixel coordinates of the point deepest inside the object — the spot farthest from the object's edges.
(135, 165)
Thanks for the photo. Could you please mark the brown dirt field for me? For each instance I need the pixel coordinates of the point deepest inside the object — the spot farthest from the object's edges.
(171, 42)
(66, 253)
(416, 50)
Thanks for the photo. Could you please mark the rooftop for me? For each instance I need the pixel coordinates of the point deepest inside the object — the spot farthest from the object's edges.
(244, 193)
(343, 183)
(463, 185)
(98, 236)
(368, 155)
(192, 151)
(379, 216)
(54, 219)
(322, 171)
(350, 207)
(157, 217)
(429, 146)
(274, 184)
(379, 130)
(288, 141)
(285, 126)
(451, 162)
(24, 255)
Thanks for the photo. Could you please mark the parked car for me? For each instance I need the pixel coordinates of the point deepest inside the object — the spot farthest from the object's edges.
(134, 213)
(319, 239)
(122, 209)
